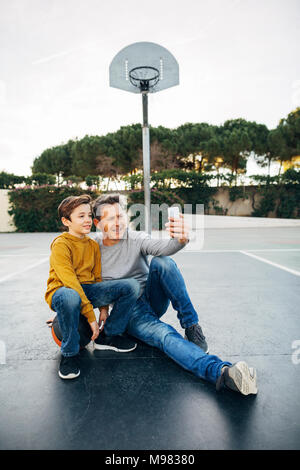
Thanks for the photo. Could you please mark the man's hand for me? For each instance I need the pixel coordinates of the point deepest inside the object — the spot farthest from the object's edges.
(178, 229)
(95, 329)
(103, 316)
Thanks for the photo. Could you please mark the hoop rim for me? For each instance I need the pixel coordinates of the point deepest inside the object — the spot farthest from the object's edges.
(144, 82)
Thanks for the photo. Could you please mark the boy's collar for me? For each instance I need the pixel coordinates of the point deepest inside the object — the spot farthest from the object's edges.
(75, 239)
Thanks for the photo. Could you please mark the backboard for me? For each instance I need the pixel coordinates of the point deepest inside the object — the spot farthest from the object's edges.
(147, 57)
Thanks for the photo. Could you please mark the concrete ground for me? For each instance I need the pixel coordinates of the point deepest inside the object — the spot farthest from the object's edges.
(245, 285)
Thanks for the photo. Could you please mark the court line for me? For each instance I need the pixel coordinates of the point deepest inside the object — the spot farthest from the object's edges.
(250, 250)
(276, 265)
(9, 276)
(23, 254)
(274, 249)
(199, 251)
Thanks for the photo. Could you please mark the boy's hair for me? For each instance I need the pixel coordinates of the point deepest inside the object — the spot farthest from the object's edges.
(107, 199)
(69, 204)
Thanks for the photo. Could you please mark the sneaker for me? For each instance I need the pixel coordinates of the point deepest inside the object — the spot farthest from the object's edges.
(69, 368)
(195, 334)
(115, 343)
(238, 377)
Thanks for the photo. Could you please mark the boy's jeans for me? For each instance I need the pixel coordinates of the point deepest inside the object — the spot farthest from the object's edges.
(66, 302)
(164, 284)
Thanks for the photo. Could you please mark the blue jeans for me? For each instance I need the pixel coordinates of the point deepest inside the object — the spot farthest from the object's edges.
(165, 284)
(66, 302)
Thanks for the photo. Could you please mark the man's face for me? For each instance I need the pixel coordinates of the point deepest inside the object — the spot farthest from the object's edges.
(113, 222)
(81, 220)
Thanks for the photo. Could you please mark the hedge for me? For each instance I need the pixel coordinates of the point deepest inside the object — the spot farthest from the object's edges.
(35, 209)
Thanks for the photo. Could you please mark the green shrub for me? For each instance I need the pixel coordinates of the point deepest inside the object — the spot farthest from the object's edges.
(237, 192)
(288, 204)
(35, 209)
(283, 198)
(268, 201)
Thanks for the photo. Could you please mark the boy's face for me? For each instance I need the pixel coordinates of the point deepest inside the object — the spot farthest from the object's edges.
(113, 222)
(81, 220)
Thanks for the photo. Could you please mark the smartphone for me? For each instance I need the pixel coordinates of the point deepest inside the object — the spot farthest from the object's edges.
(173, 212)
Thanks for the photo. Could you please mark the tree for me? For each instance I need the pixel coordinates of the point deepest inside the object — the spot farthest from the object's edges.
(163, 149)
(92, 180)
(84, 155)
(124, 147)
(261, 144)
(8, 180)
(72, 180)
(277, 148)
(235, 145)
(55, 160)
(290, 127)
(192, 142)
(39, 179)
(289, 130)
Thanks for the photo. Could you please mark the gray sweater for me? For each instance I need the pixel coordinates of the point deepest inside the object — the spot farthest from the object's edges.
(129, 257)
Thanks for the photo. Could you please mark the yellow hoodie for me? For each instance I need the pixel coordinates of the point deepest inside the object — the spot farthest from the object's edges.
(74, 261)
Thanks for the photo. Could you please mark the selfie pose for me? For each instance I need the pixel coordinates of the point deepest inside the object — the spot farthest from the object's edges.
(124, 255)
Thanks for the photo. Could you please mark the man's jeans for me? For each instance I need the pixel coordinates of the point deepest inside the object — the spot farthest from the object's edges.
(66, 302)
(164, 284)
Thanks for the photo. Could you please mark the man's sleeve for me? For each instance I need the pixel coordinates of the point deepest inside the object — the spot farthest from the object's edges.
(156, 247)
(60, 260)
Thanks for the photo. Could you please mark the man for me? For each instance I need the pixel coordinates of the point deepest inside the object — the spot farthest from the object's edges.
(124, 255)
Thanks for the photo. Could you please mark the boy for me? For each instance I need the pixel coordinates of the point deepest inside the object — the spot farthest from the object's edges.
(75, 287)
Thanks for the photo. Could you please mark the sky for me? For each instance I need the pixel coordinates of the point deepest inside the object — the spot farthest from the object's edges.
(237, 59)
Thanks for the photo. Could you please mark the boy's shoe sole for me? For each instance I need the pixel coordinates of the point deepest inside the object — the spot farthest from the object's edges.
(103, 347)
(243, 377)
(69, 376)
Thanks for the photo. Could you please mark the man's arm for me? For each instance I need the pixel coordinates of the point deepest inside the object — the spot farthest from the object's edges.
(155, 247)
(60, 260)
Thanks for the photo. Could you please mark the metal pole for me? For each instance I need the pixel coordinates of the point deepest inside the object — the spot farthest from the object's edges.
(146, 163)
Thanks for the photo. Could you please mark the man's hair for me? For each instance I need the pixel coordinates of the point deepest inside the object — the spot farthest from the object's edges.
(104, 200)
(68, 205)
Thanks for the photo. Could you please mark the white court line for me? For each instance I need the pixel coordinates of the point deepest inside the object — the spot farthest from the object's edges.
(200, 251)
(250, 250)
(23, 254)
(9, 276)
(292, 271)
(274, 249)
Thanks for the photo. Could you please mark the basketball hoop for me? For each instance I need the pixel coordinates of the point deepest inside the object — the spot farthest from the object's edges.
(161, 72)
(144, 77)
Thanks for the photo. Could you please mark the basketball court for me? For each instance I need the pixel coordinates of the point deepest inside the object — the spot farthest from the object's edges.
(245, 285)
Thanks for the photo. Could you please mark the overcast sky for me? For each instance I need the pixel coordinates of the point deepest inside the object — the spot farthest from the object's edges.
(237, 58)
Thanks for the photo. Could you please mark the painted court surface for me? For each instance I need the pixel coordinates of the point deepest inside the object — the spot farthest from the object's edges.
(245, 285)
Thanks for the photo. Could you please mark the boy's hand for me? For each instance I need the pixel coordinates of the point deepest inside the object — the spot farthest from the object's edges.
(103, 317)
(95, 329)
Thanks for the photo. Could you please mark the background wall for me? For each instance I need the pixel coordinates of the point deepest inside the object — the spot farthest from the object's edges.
(6, 224)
